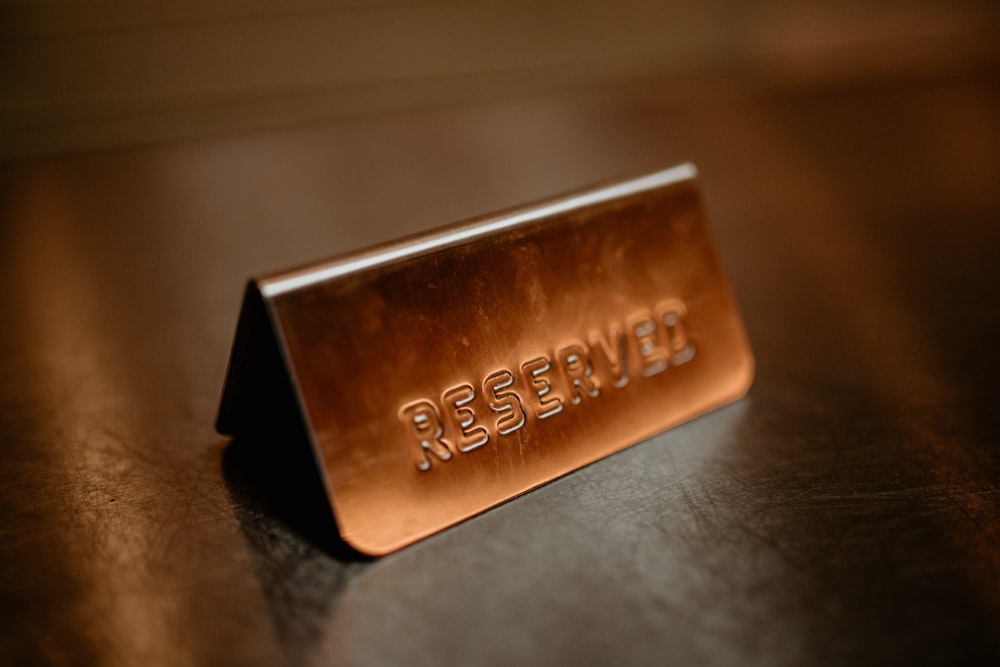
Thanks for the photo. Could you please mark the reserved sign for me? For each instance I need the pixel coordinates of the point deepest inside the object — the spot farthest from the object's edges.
(443, 374)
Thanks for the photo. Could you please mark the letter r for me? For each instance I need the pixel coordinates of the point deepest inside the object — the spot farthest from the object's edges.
(423, 425)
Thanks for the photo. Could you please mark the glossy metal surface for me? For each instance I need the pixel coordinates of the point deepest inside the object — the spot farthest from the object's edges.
(446, 373)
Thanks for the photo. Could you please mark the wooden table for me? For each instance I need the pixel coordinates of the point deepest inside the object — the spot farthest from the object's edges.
(846, 512)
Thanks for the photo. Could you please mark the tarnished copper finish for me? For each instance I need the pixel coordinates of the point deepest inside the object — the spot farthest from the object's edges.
(446, 373)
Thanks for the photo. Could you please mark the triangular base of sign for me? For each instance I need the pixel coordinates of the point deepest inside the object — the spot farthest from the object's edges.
(272, 454)
(258, 396)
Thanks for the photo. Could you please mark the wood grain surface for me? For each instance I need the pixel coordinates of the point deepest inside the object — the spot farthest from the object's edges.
(85, 75)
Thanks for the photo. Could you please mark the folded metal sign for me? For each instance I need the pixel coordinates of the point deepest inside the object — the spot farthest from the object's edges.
(448, 372)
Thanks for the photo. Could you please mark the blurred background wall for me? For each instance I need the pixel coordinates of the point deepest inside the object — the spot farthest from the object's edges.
(80, 75)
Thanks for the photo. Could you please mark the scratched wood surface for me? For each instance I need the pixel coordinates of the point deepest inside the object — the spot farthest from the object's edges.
(846, 512)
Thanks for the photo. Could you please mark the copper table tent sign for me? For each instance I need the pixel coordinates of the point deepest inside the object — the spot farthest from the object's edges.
(445, 373)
